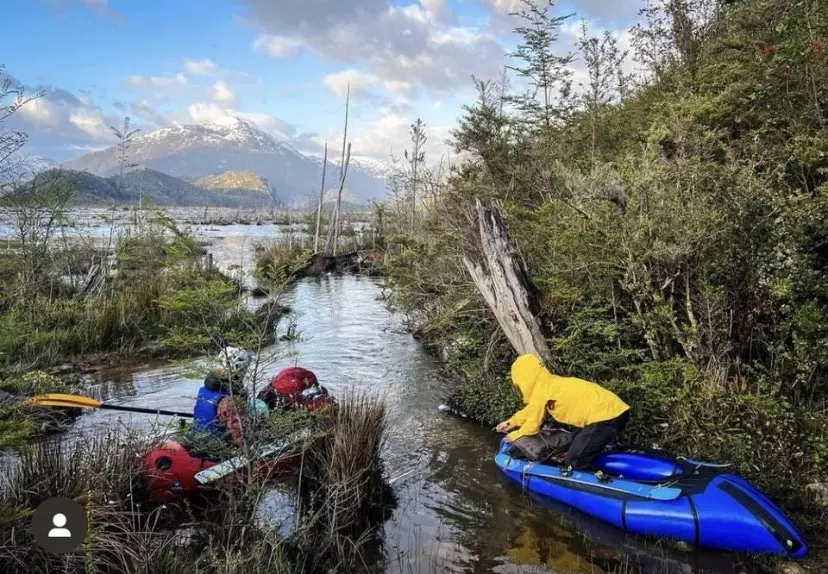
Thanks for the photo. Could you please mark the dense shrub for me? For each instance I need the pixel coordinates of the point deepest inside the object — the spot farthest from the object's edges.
(675, 224)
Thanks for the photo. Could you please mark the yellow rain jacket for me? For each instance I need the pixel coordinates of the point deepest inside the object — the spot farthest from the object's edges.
(574, 402)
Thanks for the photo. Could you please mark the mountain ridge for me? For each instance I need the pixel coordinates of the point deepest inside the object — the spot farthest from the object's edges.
(200, 150)
(158, 187)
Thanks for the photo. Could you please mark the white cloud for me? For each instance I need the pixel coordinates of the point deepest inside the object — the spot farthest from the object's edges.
(399, 87)
(60, 119)
(90, 122)
(221, 93)
(436, 8)
(416, 45)
(276, 46)
(137, 81)
(389, 135)
(207, 113)
(360, 82)
(205, 67)
(41, 112)
(506, 6)
(144, 111)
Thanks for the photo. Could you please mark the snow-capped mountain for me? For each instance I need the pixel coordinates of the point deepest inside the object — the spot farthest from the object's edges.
(194, 151)
(21, 166)
(373, 166)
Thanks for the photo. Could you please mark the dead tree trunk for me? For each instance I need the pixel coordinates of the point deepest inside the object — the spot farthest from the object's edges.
(321, 199)
(330, 246)
(500, 276)
(339, 200)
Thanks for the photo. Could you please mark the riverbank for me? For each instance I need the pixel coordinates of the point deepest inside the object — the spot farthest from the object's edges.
(148, 291)
(676, 246)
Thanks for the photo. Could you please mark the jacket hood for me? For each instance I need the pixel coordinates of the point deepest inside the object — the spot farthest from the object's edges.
(525, 371)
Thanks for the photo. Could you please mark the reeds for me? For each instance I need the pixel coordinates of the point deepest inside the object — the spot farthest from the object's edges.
(340, 486)
(343, 494)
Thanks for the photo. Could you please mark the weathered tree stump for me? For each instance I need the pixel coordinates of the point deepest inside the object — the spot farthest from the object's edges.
(500, 276)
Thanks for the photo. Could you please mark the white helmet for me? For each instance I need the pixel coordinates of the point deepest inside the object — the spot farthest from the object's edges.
(236, 361)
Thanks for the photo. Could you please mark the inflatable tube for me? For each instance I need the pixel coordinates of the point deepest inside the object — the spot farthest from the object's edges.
(669, 498)
(170, 471)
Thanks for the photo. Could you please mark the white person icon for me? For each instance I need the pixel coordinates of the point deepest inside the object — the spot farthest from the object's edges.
(59, 525)
(59, 520)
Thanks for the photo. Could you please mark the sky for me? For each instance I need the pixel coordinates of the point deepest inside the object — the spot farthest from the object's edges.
(282, 64)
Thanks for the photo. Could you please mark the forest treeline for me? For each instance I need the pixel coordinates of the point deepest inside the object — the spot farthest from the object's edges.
(672, 210)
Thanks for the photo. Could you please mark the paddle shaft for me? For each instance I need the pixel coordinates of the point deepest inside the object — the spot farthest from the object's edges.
(148, 411)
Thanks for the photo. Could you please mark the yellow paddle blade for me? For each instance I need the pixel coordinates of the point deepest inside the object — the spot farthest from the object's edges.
(65, 400)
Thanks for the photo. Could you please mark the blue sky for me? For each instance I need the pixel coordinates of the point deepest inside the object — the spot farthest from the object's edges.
(282, 64)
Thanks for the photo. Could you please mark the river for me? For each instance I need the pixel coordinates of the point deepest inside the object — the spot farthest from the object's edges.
(455, 511)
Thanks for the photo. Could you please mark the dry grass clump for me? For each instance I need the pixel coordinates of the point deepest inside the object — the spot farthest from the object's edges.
(343, 494)
(339, 494)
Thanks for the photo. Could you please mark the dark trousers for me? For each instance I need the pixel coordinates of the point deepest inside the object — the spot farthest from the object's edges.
(590, 441)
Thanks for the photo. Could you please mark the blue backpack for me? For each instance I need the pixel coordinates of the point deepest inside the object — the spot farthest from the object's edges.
(205, 414)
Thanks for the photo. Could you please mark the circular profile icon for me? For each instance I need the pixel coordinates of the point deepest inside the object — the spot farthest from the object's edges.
(59, 525)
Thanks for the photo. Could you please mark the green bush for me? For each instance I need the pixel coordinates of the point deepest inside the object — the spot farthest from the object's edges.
(676, 230)
(486, 397)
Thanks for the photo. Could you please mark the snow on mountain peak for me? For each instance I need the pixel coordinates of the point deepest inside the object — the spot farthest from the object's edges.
(235, 144)
(223, 131)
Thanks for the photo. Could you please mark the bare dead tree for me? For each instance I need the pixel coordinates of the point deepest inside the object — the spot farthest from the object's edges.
(339, 196)
(321, 199)
(333, 228)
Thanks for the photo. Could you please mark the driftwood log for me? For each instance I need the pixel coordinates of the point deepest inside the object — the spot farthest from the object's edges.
(499, 274)
(357, 262)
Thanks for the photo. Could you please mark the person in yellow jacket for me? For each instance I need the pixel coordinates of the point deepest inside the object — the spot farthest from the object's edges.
(596, 413)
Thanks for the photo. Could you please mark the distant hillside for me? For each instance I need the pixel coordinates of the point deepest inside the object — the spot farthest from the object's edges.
(162, 189)
(159, 188)
(89, 189)
(235, 145)
(238, 182)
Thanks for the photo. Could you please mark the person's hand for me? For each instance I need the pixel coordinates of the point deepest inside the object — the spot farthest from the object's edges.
(502, 427)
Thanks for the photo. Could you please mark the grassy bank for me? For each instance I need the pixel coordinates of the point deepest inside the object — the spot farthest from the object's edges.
(146, 289)
(337, 497)
(675, 224)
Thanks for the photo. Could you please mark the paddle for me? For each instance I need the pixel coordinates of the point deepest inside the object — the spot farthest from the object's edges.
(79, 402)
(230, 466)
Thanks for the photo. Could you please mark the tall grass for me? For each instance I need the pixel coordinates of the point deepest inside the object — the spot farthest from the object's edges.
(339, 483)
(343, 493)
